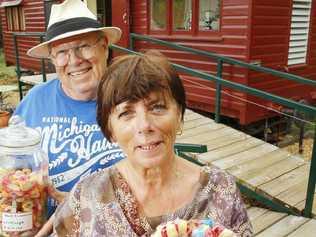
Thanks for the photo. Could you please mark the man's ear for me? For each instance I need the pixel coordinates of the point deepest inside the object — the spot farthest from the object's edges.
(105, 41)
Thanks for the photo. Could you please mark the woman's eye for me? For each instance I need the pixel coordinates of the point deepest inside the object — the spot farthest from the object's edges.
(124, 114)
(158, 107)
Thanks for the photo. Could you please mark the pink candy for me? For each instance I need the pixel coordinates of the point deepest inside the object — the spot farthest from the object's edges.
(22, 192)
(192, 228)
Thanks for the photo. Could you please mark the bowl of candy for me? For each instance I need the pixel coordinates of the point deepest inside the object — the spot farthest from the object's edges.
(23, 178)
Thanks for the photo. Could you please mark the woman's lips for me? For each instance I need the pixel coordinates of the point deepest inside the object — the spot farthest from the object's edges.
(149, 147)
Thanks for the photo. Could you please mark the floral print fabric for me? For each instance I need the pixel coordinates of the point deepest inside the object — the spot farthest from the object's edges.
(103, 205)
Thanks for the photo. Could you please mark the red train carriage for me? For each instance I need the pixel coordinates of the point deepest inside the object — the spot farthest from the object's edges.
(277, 34)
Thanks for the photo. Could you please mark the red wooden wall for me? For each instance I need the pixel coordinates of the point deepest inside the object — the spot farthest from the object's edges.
(269, 42)
(232, 40)
(250, 31)
(34, 22)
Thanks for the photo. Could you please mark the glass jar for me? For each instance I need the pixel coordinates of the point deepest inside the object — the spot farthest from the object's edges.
(23, 178)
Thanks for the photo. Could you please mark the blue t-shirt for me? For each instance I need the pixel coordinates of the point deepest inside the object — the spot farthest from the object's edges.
(70, 134)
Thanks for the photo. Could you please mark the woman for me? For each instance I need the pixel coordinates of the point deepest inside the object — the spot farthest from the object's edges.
(141, 102)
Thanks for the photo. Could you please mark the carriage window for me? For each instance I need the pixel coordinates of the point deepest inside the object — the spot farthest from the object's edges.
(158, 11)
(209, 14)
(182, 14)
(15, 18)
(185, 17)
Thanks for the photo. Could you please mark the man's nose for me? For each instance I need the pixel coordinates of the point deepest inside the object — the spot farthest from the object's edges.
(74, 57)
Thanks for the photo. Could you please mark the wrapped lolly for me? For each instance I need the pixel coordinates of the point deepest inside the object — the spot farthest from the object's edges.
(192, 228)
(23, 178)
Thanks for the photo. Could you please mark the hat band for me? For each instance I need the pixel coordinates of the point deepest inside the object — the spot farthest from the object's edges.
(73, 24)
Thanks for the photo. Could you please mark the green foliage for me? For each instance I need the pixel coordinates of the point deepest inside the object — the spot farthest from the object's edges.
(5, 72)
(7, 77)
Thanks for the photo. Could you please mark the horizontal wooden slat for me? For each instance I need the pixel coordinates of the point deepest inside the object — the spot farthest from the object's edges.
(37, 79)
(308, 229)
(283, 227)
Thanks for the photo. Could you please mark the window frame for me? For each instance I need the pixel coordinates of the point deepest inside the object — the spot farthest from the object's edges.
(194, 31)
(15, 18)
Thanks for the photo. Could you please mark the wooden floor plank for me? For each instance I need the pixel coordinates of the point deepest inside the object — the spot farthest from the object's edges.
(295, 194)
(306, 230)
(260, 166)
(208, 136)
(283, 227)
(243, 157)
(203, 128)
(272, 172)
(190, 115)
(242, 145)
(37, 79)
(301, 206)
(284, 182)
(195, 123)
(252, 167)
(266, 220)
(255, 212)
(226, 140)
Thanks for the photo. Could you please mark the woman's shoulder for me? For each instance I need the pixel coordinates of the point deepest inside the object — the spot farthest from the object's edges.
(93, 185)
(215, 178)
(97, 178)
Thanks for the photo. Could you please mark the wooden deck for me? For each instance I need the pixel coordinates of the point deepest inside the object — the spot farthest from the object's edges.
(267, 223)
(260, 166)
(37, 79)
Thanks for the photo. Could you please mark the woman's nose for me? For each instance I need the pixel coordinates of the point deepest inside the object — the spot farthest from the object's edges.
(143, 123)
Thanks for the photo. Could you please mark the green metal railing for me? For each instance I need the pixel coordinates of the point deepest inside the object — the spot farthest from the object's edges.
(240, 87)
(182, 148)
(19, 71)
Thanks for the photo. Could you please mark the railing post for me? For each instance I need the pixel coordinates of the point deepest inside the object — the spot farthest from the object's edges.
(43, 69)
(131, 41)
(311, 182)
(218, 91)
(17, 61)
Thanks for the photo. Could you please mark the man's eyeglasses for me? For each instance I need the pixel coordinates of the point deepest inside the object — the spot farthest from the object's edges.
(84, 51)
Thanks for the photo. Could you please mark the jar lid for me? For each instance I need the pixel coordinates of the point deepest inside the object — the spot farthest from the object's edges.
(17, 135)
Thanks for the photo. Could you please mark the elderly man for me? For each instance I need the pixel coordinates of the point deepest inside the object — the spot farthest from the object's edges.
(64, 109)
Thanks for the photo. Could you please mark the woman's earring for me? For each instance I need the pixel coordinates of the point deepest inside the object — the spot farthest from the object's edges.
(179, 132)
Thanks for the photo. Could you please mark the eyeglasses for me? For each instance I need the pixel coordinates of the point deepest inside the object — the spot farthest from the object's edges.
(84, 51)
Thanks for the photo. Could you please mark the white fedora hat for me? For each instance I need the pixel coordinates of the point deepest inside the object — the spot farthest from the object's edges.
(72, 17)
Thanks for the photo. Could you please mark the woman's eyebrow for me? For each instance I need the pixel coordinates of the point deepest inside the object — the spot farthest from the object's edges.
(123, 106)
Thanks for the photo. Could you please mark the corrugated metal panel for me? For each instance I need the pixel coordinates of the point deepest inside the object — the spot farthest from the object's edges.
(300, 23)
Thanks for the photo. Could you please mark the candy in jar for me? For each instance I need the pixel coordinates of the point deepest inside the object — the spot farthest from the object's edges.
(23, 178)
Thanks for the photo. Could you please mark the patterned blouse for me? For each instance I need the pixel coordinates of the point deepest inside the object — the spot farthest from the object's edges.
(104, 205)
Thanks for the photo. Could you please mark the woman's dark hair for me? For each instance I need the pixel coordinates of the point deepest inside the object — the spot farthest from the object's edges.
(133, 78)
